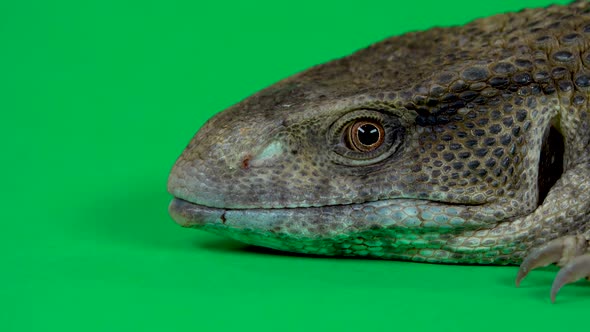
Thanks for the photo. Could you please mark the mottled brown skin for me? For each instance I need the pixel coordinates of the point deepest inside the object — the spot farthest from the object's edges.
(488, 121)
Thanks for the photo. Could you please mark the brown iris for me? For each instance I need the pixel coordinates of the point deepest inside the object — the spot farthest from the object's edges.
(365, 135)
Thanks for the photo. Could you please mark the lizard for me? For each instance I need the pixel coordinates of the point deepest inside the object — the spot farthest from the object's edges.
(464, 144)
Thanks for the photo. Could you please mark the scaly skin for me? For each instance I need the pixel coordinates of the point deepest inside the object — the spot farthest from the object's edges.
(485, 152)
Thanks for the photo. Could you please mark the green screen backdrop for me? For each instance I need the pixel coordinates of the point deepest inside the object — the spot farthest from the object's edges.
(98, 98)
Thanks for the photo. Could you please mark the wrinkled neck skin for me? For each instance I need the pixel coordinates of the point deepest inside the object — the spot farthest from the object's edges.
(484, 152)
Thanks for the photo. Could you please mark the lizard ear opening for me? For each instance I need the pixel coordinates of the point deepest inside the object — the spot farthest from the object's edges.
(550, 162)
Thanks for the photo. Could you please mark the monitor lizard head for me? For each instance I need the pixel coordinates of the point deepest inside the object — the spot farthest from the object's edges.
(406, 149)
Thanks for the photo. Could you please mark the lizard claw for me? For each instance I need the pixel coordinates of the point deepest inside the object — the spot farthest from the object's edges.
(567, 252)
(539, 257)
(577, 268)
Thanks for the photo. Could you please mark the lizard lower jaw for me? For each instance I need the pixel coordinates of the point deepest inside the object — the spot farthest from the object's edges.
(399, 228)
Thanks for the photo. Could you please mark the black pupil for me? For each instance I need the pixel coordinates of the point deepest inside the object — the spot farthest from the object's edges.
(368, 134)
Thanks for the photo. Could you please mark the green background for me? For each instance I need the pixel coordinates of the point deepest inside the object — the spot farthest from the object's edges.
(98, 98)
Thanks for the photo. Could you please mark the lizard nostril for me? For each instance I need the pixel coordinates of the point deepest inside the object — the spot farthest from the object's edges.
(246, 161)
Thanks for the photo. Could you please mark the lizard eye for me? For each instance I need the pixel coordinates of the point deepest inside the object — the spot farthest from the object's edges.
(365, 135)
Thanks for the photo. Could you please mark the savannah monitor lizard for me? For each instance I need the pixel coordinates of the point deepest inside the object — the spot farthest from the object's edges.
(459, 145)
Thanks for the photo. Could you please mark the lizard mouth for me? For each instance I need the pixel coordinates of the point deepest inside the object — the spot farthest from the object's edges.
(194, 215)
(405, 215)
(188, 214)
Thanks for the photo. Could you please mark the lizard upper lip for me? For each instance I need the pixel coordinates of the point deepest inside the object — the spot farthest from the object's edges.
(187, 213)
(181, 208)
(190, 214)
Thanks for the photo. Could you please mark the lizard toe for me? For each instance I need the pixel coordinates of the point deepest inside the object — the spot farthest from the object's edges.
(570, 252)
(550, 253)
(577, 268)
